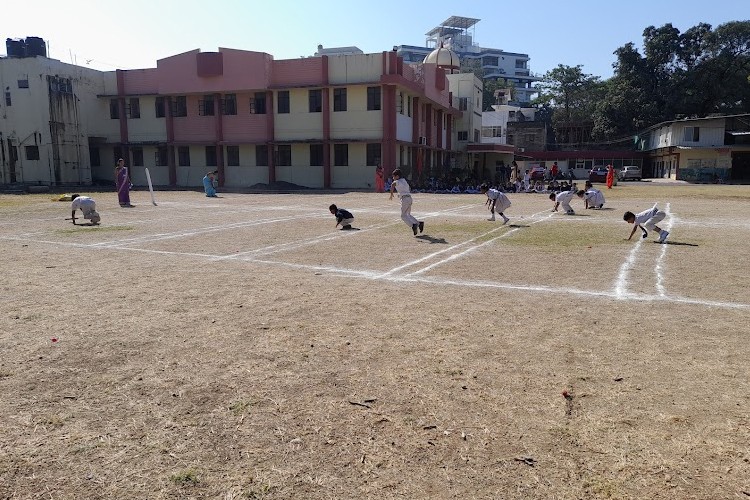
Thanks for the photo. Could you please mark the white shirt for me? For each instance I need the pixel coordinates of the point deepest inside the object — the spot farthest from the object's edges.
(402, 187)
(564, 196)
(645, 215)
(84, 203)
(594, 197)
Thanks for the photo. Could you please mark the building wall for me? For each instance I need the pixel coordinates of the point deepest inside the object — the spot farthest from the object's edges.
(53, 122)
(360, 68)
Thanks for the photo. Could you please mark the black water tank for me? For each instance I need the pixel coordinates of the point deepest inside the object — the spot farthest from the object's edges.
(35, 46)
(15, 48)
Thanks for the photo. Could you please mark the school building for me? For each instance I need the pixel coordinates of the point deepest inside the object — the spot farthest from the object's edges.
(318, 122)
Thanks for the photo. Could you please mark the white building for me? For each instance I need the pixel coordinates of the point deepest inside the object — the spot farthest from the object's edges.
(47, 112)
(457, 33)
(495, 122)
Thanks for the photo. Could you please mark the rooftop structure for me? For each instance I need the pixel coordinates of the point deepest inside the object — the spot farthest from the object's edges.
(457, 34)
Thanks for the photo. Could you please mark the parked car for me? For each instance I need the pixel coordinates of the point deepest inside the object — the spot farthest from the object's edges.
(629, 172)
(537, 173)
(599, 174)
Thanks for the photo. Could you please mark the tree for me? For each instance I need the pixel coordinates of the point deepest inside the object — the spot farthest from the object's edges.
(571, 94)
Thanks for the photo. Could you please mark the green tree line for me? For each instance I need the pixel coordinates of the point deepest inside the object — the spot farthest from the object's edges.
(691, 74)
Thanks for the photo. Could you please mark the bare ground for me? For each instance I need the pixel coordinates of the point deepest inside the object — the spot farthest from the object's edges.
(241, 347)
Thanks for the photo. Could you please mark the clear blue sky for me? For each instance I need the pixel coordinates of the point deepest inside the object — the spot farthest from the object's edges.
(126, 34)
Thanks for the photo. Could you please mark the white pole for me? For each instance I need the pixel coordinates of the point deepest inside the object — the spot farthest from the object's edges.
(150, 187)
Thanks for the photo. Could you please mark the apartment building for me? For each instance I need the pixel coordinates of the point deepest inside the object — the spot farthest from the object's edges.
(457, 33)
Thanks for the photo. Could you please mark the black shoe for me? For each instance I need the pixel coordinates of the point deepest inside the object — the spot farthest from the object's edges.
(414, 228)
(421, 227)
(346, 228)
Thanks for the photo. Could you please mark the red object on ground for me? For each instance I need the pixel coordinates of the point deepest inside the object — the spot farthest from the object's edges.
(54, 339)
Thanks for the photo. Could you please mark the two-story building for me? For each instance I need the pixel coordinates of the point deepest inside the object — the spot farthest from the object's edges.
(699, 149)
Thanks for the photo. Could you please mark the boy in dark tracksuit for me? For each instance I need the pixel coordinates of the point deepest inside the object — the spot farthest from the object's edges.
(343, 217)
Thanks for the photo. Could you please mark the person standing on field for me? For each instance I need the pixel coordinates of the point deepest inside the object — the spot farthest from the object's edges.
(122, 183)
(400, 186)
(610, 176)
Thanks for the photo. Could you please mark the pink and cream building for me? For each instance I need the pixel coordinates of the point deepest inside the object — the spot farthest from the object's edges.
(319, 122)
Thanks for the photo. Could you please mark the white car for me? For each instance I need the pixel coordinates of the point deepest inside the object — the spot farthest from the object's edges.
(629, 172)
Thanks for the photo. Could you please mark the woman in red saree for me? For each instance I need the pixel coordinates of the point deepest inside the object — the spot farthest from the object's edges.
(610, 176)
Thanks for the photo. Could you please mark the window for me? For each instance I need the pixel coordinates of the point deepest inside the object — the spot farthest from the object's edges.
(400, 103)
(463, 103)
(94, 157)
(476, 135)
(408, 105)
(511, 115)
(509, 139)
(261, 155)
(315, 98)
(160, 157)
(520, 64)
(229, 104)
(7, 98)
(692, 134)
(373, 98)
(134, 107)
(211, 156)
(316, 155)
(284, 153)
(283, 97)
(32, 152)
(159, 107)
(341, 155)
(531, 138)
(117, 154)
(463, 135)
(23, 84)
(373, 154)
(180, 106)
(183, 156)
(258, 104)
(339, 99)
(114, 109)
(489, 61)
(233, 156)
(206, 106)
(137, 157)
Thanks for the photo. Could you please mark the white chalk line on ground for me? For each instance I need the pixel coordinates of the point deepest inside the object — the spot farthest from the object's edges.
(378, 275)
(280, 247)
(475, 247)
(621, 283)
(659, 266)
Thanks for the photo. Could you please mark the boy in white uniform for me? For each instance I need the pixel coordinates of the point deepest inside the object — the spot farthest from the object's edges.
(593, 198)
(647, 220)
(404, 193)
(87, 206)
(563, 198)
(496, 201)
(526, 181)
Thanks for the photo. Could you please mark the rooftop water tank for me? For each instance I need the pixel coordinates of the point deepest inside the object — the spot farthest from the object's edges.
(35, 46)
(15, 48)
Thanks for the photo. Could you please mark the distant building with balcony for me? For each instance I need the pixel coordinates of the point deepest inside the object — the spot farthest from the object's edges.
(457, 34)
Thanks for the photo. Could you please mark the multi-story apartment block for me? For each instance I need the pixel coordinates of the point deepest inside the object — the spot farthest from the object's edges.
(457, 34)
(321, 122)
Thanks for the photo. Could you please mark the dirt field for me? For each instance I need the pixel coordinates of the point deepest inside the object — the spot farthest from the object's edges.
(241, 347)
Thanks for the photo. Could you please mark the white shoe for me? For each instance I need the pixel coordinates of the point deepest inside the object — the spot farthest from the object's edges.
(491, 218)
(663, 236)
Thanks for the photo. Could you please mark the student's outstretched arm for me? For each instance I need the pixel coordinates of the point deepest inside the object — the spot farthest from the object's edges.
(635, 226)
(393, 187)
(557, 204)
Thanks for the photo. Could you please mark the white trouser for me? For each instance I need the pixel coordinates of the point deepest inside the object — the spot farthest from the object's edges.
(658, 217)
(406, 215)
(347, 222)
(566, 206)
